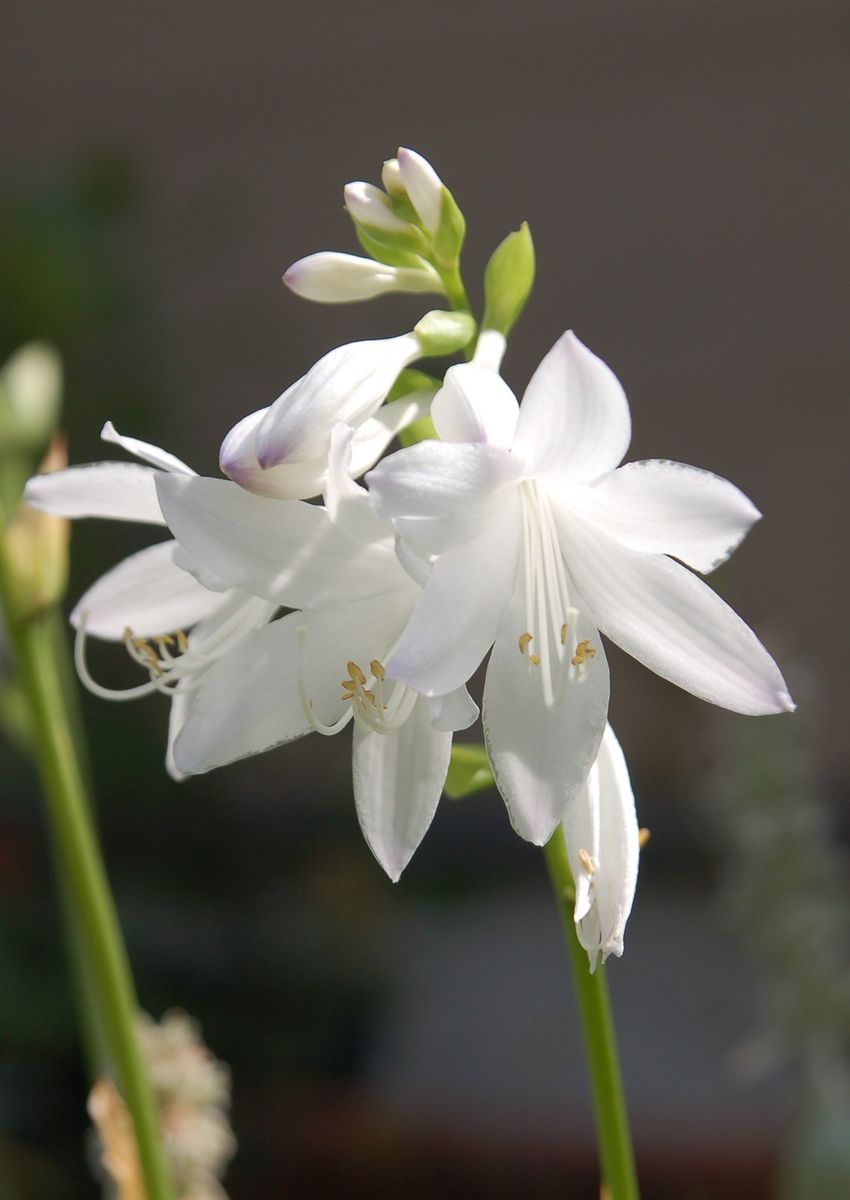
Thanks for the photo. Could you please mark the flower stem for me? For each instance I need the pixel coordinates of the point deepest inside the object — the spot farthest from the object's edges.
(609, 1106)
(84, 877)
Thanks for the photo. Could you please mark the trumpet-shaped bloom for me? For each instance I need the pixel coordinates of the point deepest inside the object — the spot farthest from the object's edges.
(149, 600)
(282, 451)
(601, 831)
(539, 543)
(322, 667)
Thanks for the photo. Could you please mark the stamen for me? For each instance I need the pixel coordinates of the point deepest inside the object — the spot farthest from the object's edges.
(355, 672)
(564, 634)
(584, 651)
(643, 837)
(534, 659)
(524, 640)
(307, 703)
(377, 669)
(588, 863)
(97, 689)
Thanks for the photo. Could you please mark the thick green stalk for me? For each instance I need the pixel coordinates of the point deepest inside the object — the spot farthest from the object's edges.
(84, 875)
(609, 1106)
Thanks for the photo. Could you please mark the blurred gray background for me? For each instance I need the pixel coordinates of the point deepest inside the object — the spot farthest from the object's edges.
(683, 167)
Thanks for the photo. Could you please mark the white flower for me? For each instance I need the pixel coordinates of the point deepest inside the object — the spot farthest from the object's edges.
(321, 667)
(333, 278)
(371, 207)
(422, 184)
(540, 543)
(601, 831)
(150, 599)
(282, 451)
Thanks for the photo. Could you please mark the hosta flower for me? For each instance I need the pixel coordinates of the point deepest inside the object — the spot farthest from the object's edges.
(601, 831)
(333, 278)
(151, 599)
(540, 542)
(323, 666)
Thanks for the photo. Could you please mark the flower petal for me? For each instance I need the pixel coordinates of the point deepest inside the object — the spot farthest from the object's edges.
(441, 493)
(601, 820)
(475, 405)
(373, 436)
(398, 780)
(149, 594)
(574, 418)
(456, 617)
(671, 621)
(161, 459)
(454, 711)
(299, 480)
(282, 550)
(669, 508)
(182, 703)
(117, 491)
(540, 755)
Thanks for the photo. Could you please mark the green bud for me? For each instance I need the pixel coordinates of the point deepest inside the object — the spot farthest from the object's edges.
(448, 238)
(441, 332)
(469, 771)
(30, 390)
(386, 248)
(508, 280)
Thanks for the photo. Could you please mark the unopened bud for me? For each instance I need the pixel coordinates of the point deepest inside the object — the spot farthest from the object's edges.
(508, 280)
(441, 332)
(333, 278)
(37, 548)
(371, 207)
(423, 186)
(30, 391)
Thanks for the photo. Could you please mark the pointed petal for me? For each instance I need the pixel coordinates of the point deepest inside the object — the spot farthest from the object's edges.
(117, 491)
(441, 493)
(574, 419)
(475, 405)
(669, 508)
(373, 436)
(454, 711)
(456, 617)
(601, 820)
(160, 459)
(282, 550)
(148, 593)
(540, 756)
(671, 621)
(398, 780)
(349, 384)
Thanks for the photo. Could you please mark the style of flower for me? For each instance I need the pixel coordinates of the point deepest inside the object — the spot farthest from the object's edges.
(539, 542)
(603, 844)
(150, 599)
(321, 667)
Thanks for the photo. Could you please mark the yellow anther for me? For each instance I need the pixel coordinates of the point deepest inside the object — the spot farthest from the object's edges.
(370, 696)
(182, 641)
(377, 668)
(534, 659)
(643, 837)
(564, 634)
(587, 862)
(164, 640)
(349, 686)
(584, 651)
(355, 672)
(525, 640)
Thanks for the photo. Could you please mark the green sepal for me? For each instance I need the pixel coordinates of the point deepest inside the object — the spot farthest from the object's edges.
(469, 771)
(442, 332)
(402, 249)
(448, 239)
(508, 280)
(411, 380)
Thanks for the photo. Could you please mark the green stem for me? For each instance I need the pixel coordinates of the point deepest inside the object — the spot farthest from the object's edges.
(609, 1105)
(455, 291)
(83, 872)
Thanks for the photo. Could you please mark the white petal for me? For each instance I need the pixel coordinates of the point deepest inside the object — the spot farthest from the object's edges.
(398, 779)
(670, 508)
(475, 405)
(574, 419)
(423, 186)
(288, 481)
(601, 820)
(457, 615)
(160, 459)
(454, 711)
(540, 756)
(347, 502)
(370, 206)
(373, 436)
(118, 491)
(349, 384)
(148, 593)
(332, 278)
(182, 703)
(282, 550)
(671, 621)
(440, 494)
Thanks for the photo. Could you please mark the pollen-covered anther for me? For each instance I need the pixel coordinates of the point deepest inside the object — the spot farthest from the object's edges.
(182, 641)
(584, 651)
(534, 659)
(588, 862)
(643, 837)
(355, 672)
(525, 640)
(564, 634)
(377, 669)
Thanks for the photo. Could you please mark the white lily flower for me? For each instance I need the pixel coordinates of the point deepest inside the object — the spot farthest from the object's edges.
(289, 442)
(540, 543)
(148, 600)
(322, 667)
(332, 278)
(603, 844)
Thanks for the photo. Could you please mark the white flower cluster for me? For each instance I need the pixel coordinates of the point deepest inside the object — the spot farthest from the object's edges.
(512, 527)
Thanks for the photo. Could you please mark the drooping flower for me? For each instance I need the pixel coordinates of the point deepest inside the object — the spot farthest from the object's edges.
(321, 667)
(601, 831)
(539, 543)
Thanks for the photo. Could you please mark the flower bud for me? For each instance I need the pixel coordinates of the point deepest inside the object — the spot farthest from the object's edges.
(30, 391)
(423, 186)
(371, 207)
(441, 332)
(508, 281)
(334, 278)
(391, 178)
